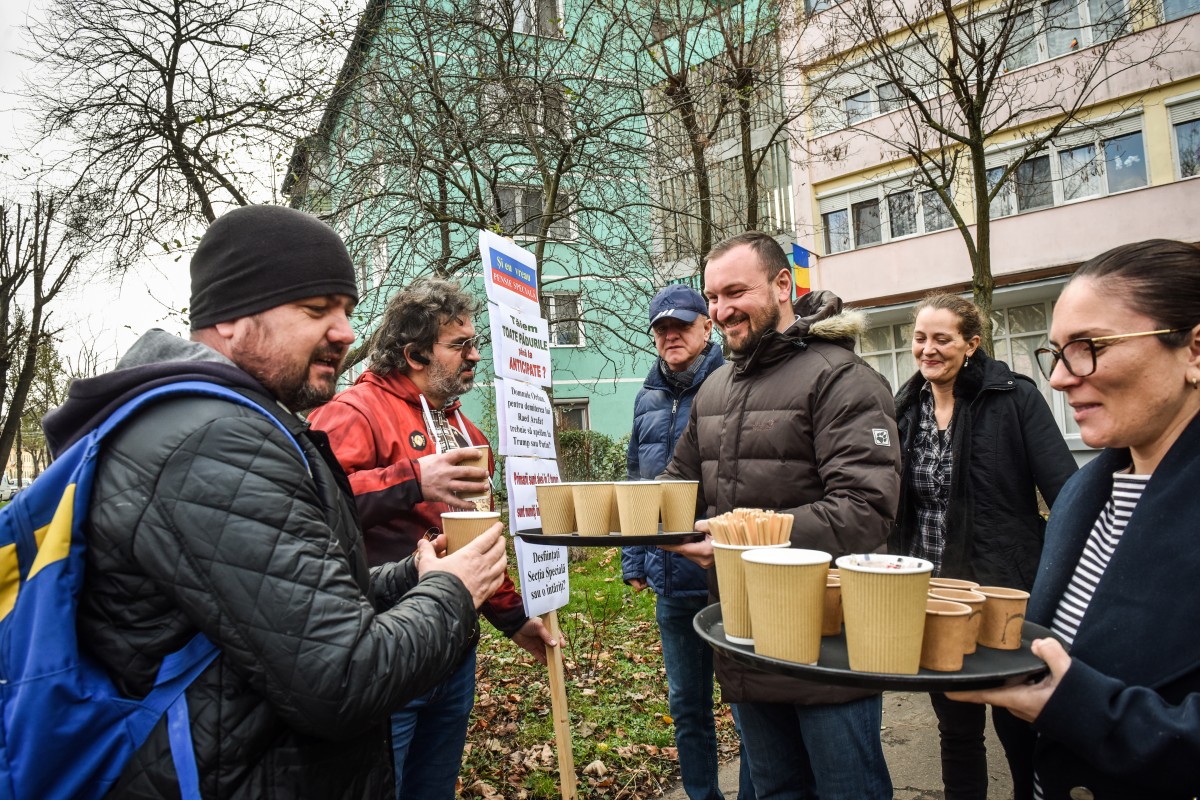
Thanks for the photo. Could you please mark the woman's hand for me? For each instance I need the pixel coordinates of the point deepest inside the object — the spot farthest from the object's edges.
(1028, 700)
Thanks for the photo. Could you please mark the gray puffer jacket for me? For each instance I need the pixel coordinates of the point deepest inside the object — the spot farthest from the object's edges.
(204, 517)
(803, 426)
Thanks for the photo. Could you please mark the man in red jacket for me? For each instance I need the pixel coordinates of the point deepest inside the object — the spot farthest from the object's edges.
(400, 434)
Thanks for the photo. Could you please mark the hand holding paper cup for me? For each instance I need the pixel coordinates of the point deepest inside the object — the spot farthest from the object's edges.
(462, 527)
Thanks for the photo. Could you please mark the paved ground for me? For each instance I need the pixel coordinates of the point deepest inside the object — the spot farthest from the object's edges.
(910, 743)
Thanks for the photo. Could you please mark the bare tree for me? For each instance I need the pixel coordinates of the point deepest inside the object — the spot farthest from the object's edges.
(456, 117)
(170, 107)
(40, 250)
(949, 82)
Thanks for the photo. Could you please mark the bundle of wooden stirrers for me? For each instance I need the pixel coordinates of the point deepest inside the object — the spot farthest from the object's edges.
(750, 526)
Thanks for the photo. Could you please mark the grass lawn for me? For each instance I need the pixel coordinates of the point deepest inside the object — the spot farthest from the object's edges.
(621, 732)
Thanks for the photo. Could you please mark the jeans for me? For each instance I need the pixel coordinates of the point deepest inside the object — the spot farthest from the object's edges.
(964, 757)
(429, 735)
(689, 664)
(830, 752)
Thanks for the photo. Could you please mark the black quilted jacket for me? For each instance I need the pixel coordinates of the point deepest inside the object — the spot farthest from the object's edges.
(205, 518)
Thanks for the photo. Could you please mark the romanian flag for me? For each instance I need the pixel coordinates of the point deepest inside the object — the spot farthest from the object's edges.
(800, 270)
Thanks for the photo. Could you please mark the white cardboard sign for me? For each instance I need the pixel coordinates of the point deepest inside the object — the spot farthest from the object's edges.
(545, 585)
(520, 345)
(525, 419)
(523, 476)
(510, 274)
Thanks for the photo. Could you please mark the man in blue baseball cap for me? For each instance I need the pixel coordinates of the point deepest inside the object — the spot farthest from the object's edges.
(681, 329)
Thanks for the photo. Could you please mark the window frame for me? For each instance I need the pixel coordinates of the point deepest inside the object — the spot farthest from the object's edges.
(551, 299)
(881, 193)
(521, 233)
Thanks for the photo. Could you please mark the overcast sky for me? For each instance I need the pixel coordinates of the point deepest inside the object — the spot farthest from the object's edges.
(100, 312)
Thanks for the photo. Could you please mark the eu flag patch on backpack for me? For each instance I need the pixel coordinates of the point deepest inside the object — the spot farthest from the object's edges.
(65, 729)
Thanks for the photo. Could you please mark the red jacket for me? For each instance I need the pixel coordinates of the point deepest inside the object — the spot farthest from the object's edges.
(377, 433)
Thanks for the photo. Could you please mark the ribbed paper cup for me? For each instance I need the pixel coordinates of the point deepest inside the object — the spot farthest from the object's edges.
(883, 600)
(479, 461)
(952, 583)
(945, 629)
(462, 527)
(679, 505)
(637, 506)
(1003, 617)
(556, 505)
(974, 600)
(831, 618)
(593, 508)
(785, 589)
(731, 582)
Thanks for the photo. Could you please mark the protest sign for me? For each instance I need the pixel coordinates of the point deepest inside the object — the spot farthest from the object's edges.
(520, 345)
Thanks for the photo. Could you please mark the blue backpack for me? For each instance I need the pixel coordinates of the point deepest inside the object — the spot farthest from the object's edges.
(65, 729)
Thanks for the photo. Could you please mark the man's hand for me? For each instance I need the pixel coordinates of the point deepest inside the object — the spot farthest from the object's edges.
(637, 584)
(480, 565)
(1028, 700)
(697, 552)
(441, 477)
(535, 637)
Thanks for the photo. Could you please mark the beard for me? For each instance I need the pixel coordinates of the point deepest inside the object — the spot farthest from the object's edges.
(450, 382)
(761, 321)
(289, 382)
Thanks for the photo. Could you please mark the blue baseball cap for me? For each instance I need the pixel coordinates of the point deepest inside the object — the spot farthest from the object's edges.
(677, 302)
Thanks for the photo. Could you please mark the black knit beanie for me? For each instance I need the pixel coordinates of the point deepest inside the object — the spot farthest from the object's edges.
(259, 257)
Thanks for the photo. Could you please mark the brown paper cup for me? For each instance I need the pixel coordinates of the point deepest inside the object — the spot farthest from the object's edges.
(462, 527)
(883, 600)
(594, 508)
(731, 582)
(831, 618)
(786, 595)
(1003, 617)
(952, 583)
(945, 629)
(637, 506)
(975, 601)
(679, 506)
(479, 461)
(556, 505)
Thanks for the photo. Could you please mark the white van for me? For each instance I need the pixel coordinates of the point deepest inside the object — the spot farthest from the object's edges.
(8, 489)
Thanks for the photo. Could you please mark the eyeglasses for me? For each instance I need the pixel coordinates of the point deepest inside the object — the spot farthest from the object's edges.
(1079, 355)
(466, 345)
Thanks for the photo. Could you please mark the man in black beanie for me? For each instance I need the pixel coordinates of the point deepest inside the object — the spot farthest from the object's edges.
(207, 517)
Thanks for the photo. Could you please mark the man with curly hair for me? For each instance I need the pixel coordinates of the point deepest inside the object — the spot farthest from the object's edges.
(400, 434)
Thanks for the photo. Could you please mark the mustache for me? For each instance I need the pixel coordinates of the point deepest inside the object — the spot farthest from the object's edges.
(330, 352)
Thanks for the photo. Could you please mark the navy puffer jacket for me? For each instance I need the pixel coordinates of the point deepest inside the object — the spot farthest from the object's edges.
(659, 417)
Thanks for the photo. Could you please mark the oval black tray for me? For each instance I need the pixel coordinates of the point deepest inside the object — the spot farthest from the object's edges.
(535, 535)
(986, 668)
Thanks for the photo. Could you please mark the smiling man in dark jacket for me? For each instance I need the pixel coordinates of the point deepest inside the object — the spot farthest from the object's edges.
(205, 518)
(797, 423)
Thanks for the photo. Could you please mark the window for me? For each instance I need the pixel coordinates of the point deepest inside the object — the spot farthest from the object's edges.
(858, 107)
(858, 92)
(1185, 124)
(571, 414)
(1058, 27)
(521, 209)
(540, 109)
(565, 321)
(1174, 9)
(888, 348)
(890, 97)
(541, 17)
(1080, 164)
(880, 213)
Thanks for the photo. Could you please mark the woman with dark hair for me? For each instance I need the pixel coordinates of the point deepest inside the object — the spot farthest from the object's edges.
(1119, 581)
(977, 441)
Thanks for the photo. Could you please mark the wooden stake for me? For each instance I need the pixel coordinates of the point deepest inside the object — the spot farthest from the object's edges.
(558, 708)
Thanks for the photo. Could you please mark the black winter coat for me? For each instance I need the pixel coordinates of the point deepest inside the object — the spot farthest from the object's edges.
(204, 517)
(1005, 434)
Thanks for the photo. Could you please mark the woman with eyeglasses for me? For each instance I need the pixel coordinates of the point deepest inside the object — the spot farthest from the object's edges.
(977, 443)
(1119, 715)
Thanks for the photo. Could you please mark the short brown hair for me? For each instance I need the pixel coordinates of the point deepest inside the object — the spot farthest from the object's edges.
(970, 321)
(770, 255)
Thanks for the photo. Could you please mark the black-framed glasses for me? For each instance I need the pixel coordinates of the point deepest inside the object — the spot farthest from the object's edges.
(1079, 355)
(466, 345)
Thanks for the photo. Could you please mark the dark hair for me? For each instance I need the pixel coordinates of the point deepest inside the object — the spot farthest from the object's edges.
(770, 255)
(1158, 278)
(970, 321)
(414, 316)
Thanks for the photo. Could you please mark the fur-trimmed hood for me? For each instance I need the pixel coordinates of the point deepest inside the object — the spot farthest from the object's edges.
(819, 315)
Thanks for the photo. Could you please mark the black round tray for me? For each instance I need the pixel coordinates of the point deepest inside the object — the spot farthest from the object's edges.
(986, 668)
(615, 539)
